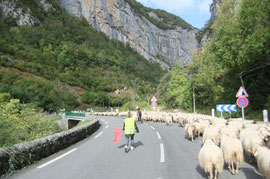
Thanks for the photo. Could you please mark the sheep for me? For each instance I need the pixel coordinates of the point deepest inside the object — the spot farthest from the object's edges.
(251, 142)
(263, 161)
(232, 149)
(230, 131)
(169, 119)
(210, 156)
(203, 124)
(183, 121)
(190, 130)
(211, 132)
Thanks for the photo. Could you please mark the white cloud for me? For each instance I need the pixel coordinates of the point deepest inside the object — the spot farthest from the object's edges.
(204, 6)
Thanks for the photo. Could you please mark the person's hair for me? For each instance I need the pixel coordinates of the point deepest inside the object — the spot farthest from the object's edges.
(129, 114)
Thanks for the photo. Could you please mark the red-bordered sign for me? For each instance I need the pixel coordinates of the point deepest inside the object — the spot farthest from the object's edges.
(154, 98)
(154, 104)
(242, 102)
(241, 92)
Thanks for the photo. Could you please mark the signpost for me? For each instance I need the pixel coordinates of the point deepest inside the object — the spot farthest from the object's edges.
(154, 102)
(242, 101)
(226, 108)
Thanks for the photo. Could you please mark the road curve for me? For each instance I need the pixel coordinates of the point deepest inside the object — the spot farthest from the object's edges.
(161, 152)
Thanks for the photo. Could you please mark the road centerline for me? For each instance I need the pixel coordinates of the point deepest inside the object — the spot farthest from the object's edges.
(98, 135)
(162, 156)
(158, 135)
(57, 158)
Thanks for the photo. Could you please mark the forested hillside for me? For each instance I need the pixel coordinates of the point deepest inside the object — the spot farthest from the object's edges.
(62, 50)
(238, 54)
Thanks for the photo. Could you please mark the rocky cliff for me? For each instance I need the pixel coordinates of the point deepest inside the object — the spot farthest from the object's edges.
(117, 19)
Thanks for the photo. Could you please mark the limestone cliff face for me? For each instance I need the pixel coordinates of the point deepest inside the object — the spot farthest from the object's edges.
(23, 16)
(116, 19)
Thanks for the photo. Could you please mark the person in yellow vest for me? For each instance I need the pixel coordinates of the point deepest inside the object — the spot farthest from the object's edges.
(129, 127)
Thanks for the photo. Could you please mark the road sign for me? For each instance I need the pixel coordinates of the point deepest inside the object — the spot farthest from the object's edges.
(226, 107)
(154, 98)
(241, 92)
(154, 104)
(242, 102)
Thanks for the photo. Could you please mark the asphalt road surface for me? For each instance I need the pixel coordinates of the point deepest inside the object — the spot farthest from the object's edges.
(161, 152)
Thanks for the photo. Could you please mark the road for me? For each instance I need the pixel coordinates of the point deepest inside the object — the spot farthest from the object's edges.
(161, 152)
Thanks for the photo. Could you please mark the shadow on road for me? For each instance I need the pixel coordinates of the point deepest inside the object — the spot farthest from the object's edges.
(136, 144)
(201, 171)
(250, 173)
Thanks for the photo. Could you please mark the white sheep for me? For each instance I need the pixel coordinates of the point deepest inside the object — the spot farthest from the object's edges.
(211, 132)
(230, 131)
(203, 124)
(191, 131)
(210, 157)
(251, 141)
(168, 119)
(263, 161)
(232, 150)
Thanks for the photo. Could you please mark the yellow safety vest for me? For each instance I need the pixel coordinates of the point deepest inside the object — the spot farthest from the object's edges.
(129, 126)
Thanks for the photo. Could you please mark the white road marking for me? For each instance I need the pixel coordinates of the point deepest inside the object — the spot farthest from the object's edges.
(107, 126)
(158, 135)
(146, 124)
(162, 156)
(106, 122)
(61, 156)
(152, 127)
(98, 135)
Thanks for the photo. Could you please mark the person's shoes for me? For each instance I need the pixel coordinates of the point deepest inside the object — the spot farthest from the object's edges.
(126, 149)
(131, 148)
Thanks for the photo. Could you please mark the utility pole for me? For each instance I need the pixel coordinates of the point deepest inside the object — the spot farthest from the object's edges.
(194, 105)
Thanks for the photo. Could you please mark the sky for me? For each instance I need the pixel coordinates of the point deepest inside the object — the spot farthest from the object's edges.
(194, 12)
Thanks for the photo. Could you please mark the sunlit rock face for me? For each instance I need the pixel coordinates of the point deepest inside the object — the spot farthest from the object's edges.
(117, 20)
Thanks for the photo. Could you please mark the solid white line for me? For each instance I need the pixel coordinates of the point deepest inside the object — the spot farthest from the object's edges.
(152, 127)
(107, 126)
(61, 156)
(158, 135)
(162, 156)
(98, 135)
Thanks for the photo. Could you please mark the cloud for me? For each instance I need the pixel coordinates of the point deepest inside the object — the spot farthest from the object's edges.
(204, 6)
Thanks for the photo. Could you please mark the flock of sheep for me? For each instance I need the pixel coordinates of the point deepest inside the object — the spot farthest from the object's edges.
(223, 141)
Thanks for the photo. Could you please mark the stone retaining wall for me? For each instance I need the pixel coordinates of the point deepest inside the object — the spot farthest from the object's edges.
(20, 155)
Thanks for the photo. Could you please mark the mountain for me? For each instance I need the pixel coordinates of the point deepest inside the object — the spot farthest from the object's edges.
(55, 49)
(155, 34)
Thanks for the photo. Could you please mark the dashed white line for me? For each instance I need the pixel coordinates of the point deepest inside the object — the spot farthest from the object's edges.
(106, 122)
(107, 126)
(152, 127)
(158, 135)
(61, 156)
(98, 135)
(162, 156)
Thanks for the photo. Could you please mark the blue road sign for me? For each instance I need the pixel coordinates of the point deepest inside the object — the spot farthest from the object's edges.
(226, 107)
